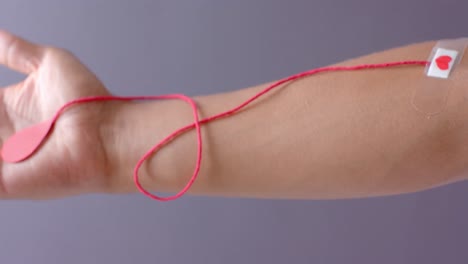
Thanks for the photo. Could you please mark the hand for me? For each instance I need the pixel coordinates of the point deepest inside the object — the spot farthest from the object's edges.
(73, 159)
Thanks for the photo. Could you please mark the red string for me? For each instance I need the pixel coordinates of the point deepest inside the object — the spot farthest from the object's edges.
(198, 122)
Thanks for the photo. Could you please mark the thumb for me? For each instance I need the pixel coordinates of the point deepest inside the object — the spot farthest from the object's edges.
(19, 54)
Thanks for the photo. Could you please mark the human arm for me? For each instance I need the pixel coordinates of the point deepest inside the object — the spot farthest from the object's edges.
(332, 135)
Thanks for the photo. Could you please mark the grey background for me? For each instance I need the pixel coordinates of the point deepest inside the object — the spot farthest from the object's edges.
(202, 47)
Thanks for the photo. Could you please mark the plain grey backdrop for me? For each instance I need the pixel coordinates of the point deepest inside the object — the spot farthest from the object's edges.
(208, 46)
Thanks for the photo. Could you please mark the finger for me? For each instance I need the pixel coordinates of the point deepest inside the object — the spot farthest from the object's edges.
(19, 54)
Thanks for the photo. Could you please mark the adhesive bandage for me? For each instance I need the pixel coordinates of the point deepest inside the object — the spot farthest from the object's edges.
(430, 96)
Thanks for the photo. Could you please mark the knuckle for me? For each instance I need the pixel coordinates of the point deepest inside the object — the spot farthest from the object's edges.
(58, 54)
(57, 51)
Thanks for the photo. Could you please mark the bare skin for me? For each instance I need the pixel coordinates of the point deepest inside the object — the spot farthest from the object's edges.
(334, 135)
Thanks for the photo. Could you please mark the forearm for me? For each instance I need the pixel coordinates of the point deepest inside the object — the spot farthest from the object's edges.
(332, 135)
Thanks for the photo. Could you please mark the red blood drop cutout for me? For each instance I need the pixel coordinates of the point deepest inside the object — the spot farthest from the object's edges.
(22, 144)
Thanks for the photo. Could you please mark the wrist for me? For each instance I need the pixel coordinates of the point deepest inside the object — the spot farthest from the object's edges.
(132, 129)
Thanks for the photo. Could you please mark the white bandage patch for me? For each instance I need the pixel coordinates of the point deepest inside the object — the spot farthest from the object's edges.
(442, 63)
(431, 92)
(445, 56)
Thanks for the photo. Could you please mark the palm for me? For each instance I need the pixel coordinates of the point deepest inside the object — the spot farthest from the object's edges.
(58, 78)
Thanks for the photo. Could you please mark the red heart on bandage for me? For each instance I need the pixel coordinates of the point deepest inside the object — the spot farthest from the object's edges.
(443, 62)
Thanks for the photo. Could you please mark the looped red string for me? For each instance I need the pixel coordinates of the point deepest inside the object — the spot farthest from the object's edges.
(136, 179)
(198, 122)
